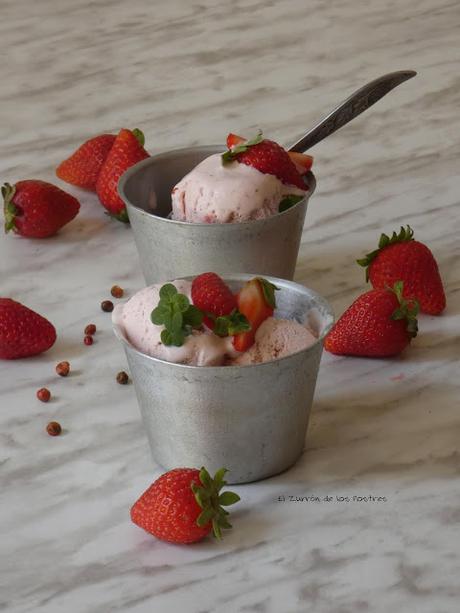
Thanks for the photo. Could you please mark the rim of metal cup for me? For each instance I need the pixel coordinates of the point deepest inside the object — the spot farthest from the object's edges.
(126, 176)
(242, 277)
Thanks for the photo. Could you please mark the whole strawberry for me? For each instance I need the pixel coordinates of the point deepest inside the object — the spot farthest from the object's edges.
(402, 257)
(83, 166)
(212, 295)
(126, 151)
(37, 209)
(22, 331)
(379, 323)
(267, 157)
(184, 505)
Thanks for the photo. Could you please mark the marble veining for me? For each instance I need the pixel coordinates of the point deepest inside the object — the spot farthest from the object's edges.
(187, 73)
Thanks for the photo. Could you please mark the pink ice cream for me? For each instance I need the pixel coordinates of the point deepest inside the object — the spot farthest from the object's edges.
(214, 192)
(201, 348)
(275, 338)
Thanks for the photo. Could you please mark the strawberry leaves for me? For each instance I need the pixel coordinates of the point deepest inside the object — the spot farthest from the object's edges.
(176, 314)
(209, 498)
(408, 309)
(268, 290)
(405, 235)
(230, 155)
(10, 210)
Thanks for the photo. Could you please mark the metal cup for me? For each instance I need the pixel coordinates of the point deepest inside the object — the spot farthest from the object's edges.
(250, 419)
(168, 248)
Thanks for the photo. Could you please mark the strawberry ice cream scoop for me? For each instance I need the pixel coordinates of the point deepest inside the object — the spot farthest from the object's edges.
(276, 338)
(201, 348)
(214, 192)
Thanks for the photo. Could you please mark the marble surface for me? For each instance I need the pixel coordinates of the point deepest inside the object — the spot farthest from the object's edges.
(189, 72)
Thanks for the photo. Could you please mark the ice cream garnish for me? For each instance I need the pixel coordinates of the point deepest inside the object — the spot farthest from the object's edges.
(230, 155)
(288, 202)
(256, 300)
(267, 157)
(176, 314)
(229, 325)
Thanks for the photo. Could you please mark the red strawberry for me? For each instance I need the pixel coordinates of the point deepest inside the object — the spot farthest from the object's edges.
(267, 157)
(127, 150)
(22, 331)
(83, 166)
(212, 295)
(402, 257)
(256, 301)
(379, 323)
(37, 209)
(302, 161)
(184, 505)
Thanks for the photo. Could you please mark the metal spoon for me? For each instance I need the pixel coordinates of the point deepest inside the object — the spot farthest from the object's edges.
(350, 108)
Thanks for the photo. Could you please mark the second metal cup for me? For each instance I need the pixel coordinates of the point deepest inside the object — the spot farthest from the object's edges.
(169, 249)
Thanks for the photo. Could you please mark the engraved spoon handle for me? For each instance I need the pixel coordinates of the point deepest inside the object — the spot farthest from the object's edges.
(350, 108)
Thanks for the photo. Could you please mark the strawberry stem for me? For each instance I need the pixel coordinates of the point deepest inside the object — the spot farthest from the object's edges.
(230, 155)
(139, 136)
(405, 235)
(9, 209)
(408, 309)
(209, 498)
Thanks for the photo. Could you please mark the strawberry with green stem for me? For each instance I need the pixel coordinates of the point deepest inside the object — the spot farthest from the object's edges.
(400, 257)
(37, 209)
(184, 505)
(379, 323)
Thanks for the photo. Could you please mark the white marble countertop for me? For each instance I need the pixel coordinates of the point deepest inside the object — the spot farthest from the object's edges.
(188, 73)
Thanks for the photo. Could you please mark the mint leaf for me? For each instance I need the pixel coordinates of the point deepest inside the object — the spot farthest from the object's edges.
(288, 202)
(193, 317)
(176, 314)
(182, 302)
(168, 291)
(228, 325)
(157, 316)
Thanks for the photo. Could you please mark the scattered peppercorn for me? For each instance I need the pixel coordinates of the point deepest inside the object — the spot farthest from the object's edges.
(63, 369)
(90, 329)
(88, 340)
(107, 306)
(54, 428)
(122, 378)
(117, 291)
(43, 394)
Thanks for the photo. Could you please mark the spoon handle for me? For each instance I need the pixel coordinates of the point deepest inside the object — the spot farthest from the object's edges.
(350, 108)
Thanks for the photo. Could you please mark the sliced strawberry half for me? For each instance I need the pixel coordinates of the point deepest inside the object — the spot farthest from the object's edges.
(302, 161)
(256, 301)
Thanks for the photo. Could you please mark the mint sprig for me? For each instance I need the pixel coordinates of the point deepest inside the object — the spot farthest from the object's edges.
(228, 325)
(176, 314)
(230, 155)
